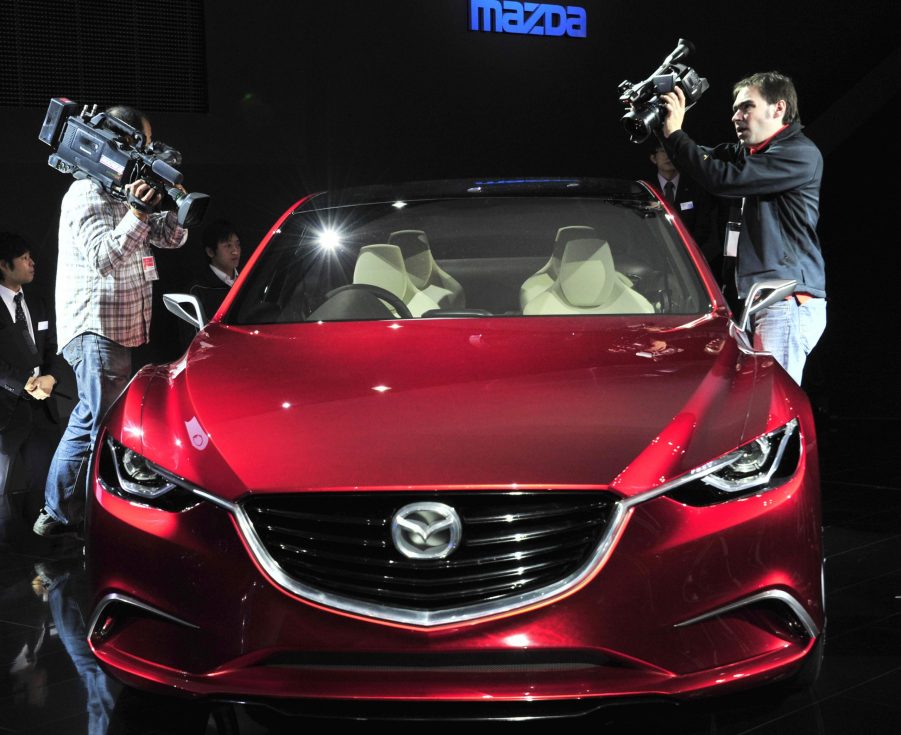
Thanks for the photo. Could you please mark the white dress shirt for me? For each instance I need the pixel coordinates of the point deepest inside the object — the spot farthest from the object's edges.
(662, 179)
(8, 296)
(228, 280)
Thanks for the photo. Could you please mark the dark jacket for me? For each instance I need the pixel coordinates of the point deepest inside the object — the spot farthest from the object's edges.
(781, 187)
(17, 361)
(700, 211)
(210, 291)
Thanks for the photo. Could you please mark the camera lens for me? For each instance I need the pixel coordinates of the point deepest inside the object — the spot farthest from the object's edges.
(640, 122)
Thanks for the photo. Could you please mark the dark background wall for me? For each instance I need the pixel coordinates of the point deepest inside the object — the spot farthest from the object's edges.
(304, 95)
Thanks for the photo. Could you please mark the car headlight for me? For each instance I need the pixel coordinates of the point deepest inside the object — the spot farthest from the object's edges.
(127, 474)
(765, 462)
(135, 475)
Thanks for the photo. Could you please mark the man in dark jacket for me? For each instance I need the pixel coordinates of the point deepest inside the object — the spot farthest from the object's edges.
(777, 171)
(223, 250)
(29, 366)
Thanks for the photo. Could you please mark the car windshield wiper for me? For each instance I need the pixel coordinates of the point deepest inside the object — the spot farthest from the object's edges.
(453, 313)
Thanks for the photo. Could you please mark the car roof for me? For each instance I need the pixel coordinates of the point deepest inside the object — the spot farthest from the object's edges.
(487, 187)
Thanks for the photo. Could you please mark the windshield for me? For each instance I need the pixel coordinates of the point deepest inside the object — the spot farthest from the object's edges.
(474, 257)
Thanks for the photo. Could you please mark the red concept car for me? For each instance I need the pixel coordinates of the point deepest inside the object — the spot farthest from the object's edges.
(494, 445)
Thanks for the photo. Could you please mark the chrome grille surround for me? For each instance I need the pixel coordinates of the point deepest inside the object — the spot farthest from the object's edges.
(512, 546)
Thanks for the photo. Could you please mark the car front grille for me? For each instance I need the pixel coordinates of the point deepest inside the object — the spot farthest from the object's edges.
(511, 544)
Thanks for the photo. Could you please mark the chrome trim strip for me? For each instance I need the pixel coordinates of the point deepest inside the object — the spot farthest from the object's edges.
(191, 487)
(109, 599)
(432, 618)
(226, 505)
(778, 595)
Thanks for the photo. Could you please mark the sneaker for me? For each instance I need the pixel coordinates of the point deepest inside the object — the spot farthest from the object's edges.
(44, 580)
(46, 525)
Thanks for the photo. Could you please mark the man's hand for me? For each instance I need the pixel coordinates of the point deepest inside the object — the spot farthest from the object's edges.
(40, 387)
(674, 102)
(144, 192)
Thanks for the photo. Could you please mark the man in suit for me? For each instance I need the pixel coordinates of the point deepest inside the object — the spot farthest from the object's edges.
(211, 284)
(29, 423)
(702, 213)
(223, 251)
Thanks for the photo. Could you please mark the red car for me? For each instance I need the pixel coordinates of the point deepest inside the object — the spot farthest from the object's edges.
(496, 445)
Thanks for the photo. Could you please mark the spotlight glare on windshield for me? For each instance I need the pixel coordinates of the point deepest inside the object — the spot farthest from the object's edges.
(329, 240)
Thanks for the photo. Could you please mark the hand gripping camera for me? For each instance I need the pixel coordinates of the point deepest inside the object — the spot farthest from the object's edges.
(647, 113)
(100, 147)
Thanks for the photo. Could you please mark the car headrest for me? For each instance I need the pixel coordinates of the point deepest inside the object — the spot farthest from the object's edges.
(587, 274)
(564, 235)
(382, 265)
(414, 245)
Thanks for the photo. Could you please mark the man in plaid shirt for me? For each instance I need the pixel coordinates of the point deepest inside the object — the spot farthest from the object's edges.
(103, 304)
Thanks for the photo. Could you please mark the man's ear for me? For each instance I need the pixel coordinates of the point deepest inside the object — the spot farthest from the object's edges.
(209, 253)
(779, 109)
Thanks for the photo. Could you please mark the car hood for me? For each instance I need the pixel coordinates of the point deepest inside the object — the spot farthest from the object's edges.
(552, 402)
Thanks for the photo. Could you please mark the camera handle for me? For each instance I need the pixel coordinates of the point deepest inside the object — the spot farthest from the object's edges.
(136, 203)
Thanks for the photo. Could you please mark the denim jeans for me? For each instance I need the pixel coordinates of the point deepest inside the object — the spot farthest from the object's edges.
(70, 626)
(102, 370)
(789, 331)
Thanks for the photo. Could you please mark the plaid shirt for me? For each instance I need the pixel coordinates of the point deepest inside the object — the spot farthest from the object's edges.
(100, 285)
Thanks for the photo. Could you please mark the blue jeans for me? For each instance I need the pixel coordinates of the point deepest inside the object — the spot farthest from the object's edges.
(789, 331)
(102, 370)
(73, 633)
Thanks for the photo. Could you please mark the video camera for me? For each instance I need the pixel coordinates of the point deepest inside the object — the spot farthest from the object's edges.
(647, 113)
(103, 148)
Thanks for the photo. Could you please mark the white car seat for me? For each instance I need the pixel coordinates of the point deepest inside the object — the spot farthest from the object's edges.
(382, 265)
(424, 271)
(542, 279)
(588, 284)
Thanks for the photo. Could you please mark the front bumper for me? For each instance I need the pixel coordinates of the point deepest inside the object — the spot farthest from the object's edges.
(691, 601)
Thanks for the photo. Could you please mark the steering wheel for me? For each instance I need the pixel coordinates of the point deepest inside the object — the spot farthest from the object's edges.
(382, 294)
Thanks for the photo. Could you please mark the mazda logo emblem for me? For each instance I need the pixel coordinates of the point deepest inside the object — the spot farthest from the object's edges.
(426, 530)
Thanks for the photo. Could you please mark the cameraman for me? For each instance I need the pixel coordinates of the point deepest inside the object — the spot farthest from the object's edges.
(103, 304)
(777, 171)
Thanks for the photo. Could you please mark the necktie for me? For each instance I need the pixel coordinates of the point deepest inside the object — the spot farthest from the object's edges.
(22, 324)
(669, 191)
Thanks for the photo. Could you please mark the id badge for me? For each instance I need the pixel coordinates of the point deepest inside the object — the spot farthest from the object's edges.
(150, 271)
(730, 245)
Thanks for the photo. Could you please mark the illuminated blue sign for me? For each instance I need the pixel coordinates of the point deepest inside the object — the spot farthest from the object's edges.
(534, 19)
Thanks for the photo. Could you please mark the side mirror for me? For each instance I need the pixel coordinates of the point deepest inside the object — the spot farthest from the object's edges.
(757, 301)
(176, 302)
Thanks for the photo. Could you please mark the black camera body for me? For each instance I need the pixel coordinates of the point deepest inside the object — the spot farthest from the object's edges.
(92, 145)
(647, 112)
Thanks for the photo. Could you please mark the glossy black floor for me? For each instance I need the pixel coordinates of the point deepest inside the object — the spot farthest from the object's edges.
(50, 684)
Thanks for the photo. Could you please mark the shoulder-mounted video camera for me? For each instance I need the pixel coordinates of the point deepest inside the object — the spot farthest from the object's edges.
(647, 113)
(94, 145)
